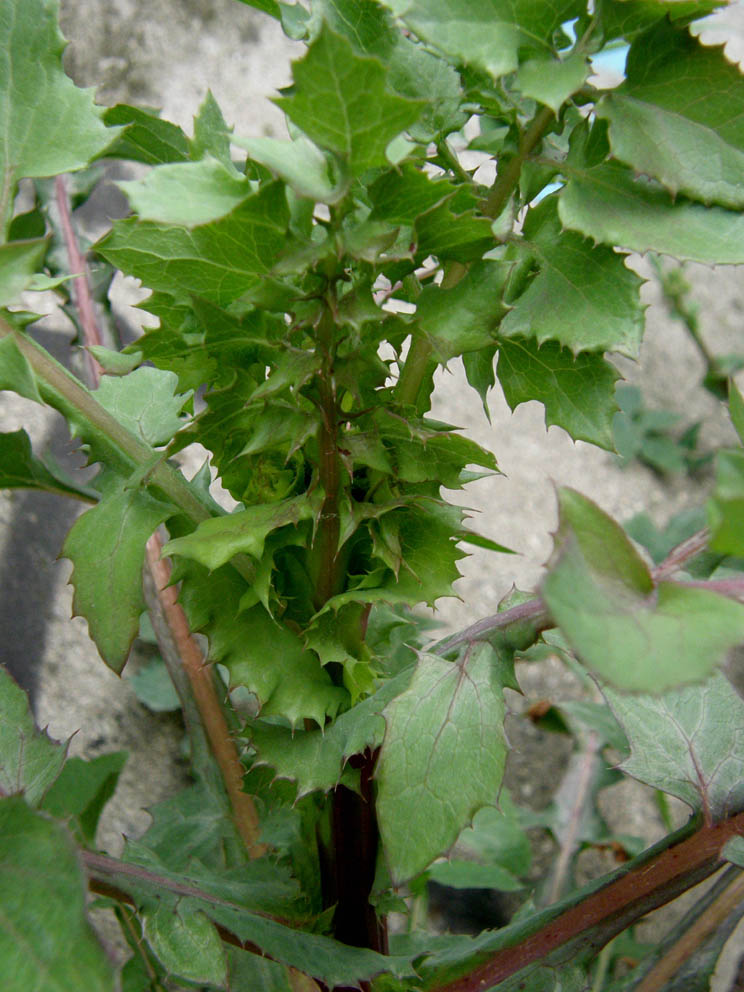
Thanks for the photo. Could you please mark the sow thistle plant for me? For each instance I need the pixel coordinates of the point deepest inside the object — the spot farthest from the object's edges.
(276, 271)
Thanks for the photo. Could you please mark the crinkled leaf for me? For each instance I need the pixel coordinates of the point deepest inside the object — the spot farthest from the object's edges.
(20, 469)
(47, 124)
(29, 760)
(217, 540)
(315, 759)
(187, 945)
(446, 728)
(46, 941)
(83, 788)
(678, 116)
(577, 391)
(486, 33)
(107, 547)
(145, 137)
(606, 203)
(687, 742)
(204, 260)
(464, 318)
(19, 262)
(145, 402)
(300, 163)
(341, 101)
(552, 81)
(583, 296)
(634, 635)
(726, 506)
(187, 194)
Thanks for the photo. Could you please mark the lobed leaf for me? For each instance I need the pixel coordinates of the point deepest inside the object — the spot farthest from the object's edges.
(446, 727)
(107, 547)
(30, 761)
(635, 636)
(678, 116)
(687, 742)
(145, 402)
(341, 101)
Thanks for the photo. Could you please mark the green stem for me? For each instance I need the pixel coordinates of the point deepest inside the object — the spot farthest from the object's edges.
(508, 177)
(417, 366)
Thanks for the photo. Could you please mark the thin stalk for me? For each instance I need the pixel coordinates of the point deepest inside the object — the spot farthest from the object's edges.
(201, 678)
(508, 178)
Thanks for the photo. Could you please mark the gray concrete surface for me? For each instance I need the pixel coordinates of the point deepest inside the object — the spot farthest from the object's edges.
(167, 53)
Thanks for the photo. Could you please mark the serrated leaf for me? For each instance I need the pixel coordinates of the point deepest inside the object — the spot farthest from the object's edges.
(20, 469)
(187, 945)
(486, 33)
(47, 124)
(300, 163)
(145, 137)
(203, 261)
(677, 117)
(107, 547)
(403, 194)
(578, 392)
(46, 940)
(19, 262)
(315, 759)
(583, 296)
(83, 788)
(631, 17)
(446, 728)
(187, 194)
(217, 540)
(687, 742)
(466, 317)
(341, 101)
(29, 760)
(212, 136)
(552, 81)
(145, 402)
(608, 204)
(636, 636)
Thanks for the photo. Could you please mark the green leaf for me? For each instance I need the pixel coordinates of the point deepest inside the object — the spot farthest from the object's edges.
(446, 727)
(83, 788)
(20, 469)
(145, 137)
(606, 203)
(552, 81)
(578, 391)
(145, 402)
(678, 116)
(583, 296)
(216, 541)
(115, 362)
(687, 742)
(726, 505)
(187, 945)
(15, 372)
(212, 136)
(19, 262)
(341, 101)
(631, 17)
(46, 941)
(300, 163)
(486, 34)
(736, 409)
(153, 687)
(47, 124)
(466, 317)
(187, 194)
(636, 636)
(29, 760)
(203, 261)
(316, 759)
(107, 547)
